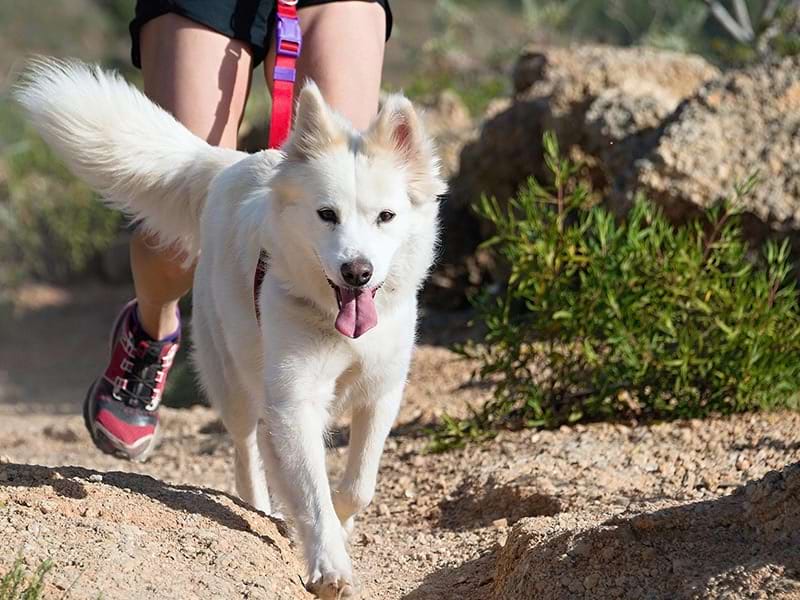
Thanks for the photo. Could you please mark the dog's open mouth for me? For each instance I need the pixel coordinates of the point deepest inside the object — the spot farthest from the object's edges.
(357, 313)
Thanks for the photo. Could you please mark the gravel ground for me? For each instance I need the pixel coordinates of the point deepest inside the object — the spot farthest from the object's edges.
(598, 511)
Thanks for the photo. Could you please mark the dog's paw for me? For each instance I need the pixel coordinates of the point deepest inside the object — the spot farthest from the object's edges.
(331, 577)
(333, 587)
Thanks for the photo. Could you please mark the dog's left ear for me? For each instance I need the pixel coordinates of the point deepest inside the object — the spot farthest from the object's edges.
(399, 130)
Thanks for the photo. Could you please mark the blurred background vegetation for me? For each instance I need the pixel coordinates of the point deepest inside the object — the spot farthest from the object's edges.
(53, 229)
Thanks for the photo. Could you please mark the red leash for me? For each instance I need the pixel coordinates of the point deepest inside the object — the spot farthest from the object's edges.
(288, 42)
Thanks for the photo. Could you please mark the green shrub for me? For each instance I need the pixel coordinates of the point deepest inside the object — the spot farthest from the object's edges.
(604, 320)
(17, 585)
(623, 22)
(51, 225)
(718, 29)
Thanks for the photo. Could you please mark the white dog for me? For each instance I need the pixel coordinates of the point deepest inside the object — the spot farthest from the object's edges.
(349, 221)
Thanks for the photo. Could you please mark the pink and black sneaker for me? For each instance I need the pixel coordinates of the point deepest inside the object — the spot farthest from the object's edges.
(121, 408)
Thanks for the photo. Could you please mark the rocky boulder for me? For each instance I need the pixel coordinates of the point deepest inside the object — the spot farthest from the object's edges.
(605, 105)
(128, 536)
(740, 123)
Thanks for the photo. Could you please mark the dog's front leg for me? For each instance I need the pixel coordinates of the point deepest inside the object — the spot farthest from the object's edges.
(295, 421)
(372, 420)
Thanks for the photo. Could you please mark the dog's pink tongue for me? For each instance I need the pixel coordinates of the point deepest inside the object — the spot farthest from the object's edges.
(357, 314)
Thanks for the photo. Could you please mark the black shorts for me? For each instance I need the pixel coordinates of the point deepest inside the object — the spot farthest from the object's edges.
(250, 21)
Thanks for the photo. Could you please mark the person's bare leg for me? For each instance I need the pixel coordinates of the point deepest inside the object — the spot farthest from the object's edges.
(343, 45)
(202, 77)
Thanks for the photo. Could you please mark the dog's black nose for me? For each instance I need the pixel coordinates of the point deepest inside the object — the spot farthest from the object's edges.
(357, 272)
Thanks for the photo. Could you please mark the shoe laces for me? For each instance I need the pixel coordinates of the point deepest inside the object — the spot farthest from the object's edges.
(144, 369)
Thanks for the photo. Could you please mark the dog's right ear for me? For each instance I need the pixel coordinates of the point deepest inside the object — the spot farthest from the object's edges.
(315, 128)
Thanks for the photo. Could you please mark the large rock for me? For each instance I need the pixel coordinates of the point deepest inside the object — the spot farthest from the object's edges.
(593, 97)
(128, 536)
(743, 122)
(605, 105)
(746, 545)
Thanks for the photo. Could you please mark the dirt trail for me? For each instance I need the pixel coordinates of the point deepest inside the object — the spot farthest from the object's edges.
(439, 523)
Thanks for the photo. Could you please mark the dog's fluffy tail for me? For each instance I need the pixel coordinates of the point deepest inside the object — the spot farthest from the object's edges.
(135, 154)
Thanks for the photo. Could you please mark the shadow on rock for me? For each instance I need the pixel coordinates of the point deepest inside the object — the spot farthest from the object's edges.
(71, 482)
(771, 443)
(469, 581)
(478, 503)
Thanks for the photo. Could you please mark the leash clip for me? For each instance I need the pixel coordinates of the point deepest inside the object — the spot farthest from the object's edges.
(288, 39)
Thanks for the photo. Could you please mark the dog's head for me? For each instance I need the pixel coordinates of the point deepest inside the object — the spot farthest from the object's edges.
(357, 210)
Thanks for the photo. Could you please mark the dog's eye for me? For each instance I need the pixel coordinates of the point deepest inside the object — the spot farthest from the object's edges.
(328, 215)
(385, 216)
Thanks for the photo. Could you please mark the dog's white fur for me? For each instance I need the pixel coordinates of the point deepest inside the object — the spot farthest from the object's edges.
(276, 384)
